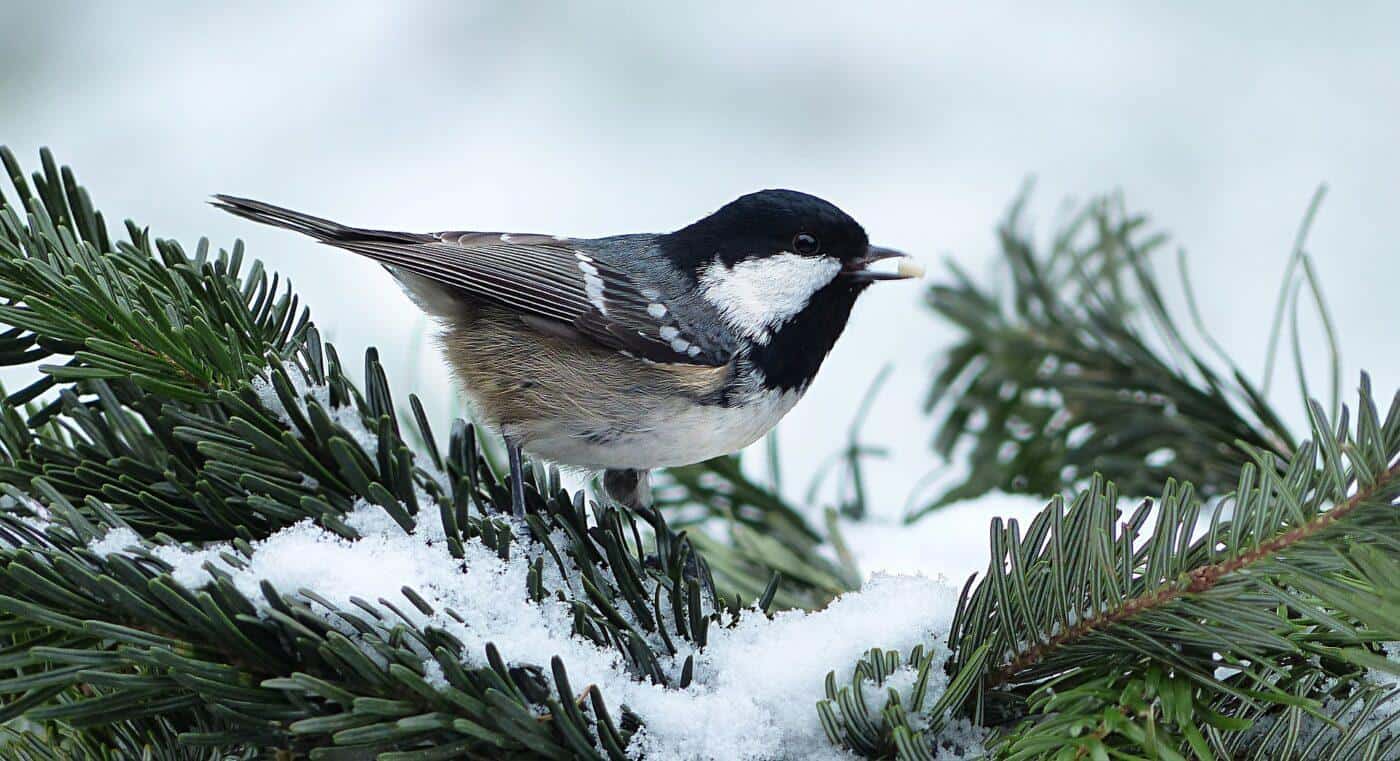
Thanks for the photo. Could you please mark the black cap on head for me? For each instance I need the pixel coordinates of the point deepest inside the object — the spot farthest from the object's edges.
(766, 223)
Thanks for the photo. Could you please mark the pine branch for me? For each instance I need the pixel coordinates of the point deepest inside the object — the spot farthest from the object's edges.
(909, 726)
(1264, 588)
(1197, 580)
(1081, 368)
(174, 430)
(1252, 561)
(766, 535)
(203, 414)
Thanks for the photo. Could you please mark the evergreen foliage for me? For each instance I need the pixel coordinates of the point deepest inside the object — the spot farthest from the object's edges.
(155, 428)
(1082, 369)
(188, 399)
(1171, 628)
(765, 535)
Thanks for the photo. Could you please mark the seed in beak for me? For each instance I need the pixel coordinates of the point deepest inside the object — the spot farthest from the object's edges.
(910, 267)
(884, 264)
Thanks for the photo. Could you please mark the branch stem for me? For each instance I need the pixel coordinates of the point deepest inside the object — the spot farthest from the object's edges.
(1195, 581)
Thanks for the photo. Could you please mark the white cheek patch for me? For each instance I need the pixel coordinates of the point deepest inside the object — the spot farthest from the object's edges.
(756, 296)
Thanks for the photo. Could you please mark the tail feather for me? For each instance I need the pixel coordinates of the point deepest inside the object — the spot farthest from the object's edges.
(323, 230)
(431, 295)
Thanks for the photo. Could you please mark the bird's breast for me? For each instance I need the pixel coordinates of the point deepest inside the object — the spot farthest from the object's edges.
(681, 432)
(580, 405)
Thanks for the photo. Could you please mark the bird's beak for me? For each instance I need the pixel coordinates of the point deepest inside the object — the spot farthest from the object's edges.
(862, 270)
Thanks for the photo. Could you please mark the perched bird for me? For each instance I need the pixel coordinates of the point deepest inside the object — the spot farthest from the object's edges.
(631, 352)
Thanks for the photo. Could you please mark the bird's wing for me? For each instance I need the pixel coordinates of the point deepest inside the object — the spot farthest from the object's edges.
(541, 277)
(547, 278)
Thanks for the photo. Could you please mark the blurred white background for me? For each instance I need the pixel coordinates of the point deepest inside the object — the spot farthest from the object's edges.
(921, 119)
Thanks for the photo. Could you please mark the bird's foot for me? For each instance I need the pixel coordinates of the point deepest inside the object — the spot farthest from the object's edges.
(517, 480)
(629, 488)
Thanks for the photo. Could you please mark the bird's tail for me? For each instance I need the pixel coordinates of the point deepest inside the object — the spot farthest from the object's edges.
(323, 230)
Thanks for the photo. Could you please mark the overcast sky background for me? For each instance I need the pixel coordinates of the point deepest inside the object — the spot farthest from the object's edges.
(920, 119)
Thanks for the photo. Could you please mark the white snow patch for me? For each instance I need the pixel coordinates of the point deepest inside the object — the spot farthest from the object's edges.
(187, 566)
(950, 542)
(8, 502)
(116, 540)
(39, 521)
(755, 685)
(759, 682)
(346, 416)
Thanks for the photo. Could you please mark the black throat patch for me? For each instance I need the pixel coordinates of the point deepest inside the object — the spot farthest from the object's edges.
(795, 350)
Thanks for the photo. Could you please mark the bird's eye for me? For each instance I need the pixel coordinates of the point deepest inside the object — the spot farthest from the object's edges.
(806, 244)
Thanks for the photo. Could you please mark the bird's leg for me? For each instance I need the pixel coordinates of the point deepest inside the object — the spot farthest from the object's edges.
(517, 480)
(629, 488)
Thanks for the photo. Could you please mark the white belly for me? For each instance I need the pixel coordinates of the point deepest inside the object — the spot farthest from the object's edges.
(690, 433)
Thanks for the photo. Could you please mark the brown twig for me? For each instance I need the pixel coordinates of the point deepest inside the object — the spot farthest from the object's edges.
(1195, 581)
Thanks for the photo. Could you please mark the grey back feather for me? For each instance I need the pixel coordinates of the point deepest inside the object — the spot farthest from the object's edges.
(618, 292)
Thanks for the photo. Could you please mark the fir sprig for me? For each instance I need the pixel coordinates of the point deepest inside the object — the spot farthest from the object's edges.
(189, 401)
(1081, 368)
(1260, 585)
(193, 401)
(1252, 607)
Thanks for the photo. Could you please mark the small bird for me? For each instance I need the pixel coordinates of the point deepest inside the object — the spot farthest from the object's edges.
(630, 352)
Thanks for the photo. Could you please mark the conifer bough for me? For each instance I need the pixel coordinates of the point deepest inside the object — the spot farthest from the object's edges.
(188, 427)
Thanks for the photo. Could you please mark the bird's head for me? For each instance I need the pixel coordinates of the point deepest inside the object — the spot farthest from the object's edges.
(784, 225)
(779, 263)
